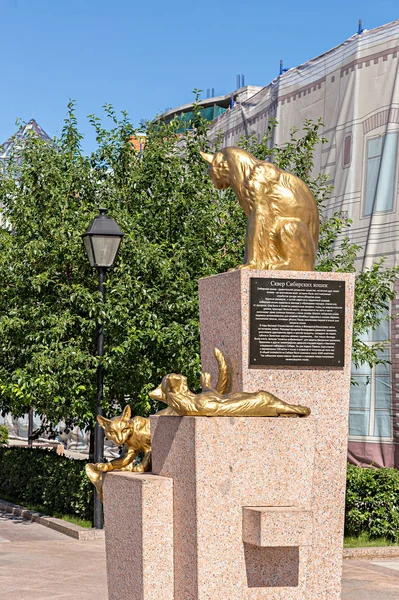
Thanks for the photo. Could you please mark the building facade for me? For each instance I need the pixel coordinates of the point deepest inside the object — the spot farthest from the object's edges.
(354, 88)
(212, 107)
(30, 128)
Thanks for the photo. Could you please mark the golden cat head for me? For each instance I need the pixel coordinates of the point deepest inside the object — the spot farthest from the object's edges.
(219, 169)
(171, 384)
(117, 429)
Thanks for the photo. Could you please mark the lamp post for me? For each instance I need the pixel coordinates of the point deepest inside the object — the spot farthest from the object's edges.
(102, 240)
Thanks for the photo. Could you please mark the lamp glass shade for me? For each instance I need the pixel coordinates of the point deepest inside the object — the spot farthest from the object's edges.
(102, 240)
(105, 249)
(89, 249)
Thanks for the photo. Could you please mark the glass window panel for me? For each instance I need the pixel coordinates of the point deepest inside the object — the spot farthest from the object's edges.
(386, 179)
(383, 392)
(384, 369)
(359, 422)
(382, 424)
(365, 337)
(382, 332)
(373, 167)
(347, 150)
(362, 369)
(374, 147)
(361, 394)
(380, 177)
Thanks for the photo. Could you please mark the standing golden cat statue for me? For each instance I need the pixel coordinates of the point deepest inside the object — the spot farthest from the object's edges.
(135, 433)
(283, 218)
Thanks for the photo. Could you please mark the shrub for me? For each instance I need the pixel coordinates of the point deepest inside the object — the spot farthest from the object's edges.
(38, 476)
(3, 434)
(372, 499)
(42, 477)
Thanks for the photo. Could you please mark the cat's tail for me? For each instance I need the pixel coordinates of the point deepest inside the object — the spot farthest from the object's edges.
(223, 376)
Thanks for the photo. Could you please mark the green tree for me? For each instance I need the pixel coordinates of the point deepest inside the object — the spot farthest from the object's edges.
(177, 227)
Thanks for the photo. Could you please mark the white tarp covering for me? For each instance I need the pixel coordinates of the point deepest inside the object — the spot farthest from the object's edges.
(354, 88)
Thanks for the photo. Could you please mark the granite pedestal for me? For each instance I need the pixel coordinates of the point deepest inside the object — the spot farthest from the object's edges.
(138, 513)
(225, 316)
(223, 468)
(258, 503)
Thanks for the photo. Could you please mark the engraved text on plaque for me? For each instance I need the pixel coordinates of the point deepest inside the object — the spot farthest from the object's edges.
(296, 322)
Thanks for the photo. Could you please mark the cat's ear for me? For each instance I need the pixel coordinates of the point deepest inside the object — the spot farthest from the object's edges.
(103, 421)
(207, 157)
(127, 413)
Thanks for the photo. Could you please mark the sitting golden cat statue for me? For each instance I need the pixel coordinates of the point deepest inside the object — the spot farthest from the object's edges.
(283, 218)
(135, 433)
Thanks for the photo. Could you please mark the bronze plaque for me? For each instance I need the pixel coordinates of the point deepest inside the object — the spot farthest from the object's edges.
(297, 322)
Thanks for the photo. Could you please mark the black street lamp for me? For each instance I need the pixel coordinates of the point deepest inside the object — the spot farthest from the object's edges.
(102, 240)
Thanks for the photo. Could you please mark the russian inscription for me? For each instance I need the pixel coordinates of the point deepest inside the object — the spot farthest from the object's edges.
(297, 322)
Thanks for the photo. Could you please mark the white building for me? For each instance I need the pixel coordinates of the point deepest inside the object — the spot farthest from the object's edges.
(354, 88)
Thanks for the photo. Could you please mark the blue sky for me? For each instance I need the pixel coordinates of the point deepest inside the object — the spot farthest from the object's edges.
(144, 56)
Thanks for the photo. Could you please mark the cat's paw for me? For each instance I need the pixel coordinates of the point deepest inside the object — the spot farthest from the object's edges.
(138, 468)
(103, 467)
(253, 266)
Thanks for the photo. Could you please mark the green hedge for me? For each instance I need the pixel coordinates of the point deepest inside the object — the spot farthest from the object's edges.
(42, 477)
(372, 502)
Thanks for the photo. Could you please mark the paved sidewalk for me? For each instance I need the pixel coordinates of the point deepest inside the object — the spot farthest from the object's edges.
(37, 563)
(371, 579)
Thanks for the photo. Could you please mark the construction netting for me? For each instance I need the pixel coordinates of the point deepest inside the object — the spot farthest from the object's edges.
(354, 88)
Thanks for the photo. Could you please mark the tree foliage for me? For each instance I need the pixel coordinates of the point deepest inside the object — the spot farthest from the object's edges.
(177, 228)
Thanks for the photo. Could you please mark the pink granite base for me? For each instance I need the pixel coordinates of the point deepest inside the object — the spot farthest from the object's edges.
(138, 514)
(224, 315)
(220, 465)
(258, 503)
(277, 526)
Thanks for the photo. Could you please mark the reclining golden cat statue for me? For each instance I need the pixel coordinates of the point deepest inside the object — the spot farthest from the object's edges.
(213, 402)
(283, 218)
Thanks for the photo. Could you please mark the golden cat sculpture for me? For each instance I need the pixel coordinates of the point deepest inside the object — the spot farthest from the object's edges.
(135, 433)
(283, 218)
(175, 392)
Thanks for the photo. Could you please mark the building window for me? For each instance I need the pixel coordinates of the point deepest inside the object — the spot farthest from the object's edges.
(370, 413)
(347, 153)
(380, 173)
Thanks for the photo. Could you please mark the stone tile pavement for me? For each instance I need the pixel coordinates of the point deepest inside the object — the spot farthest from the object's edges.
(371, 579)
(37, 563)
